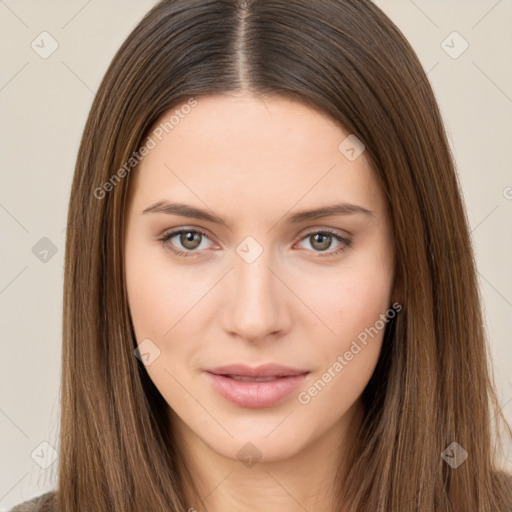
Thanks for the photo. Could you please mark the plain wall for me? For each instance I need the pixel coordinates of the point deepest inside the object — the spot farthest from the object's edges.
(44, 104)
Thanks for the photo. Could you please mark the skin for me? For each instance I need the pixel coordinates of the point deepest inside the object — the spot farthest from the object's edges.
(254, 162)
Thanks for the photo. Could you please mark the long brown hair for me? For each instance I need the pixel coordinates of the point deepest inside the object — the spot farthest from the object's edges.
(433, 383)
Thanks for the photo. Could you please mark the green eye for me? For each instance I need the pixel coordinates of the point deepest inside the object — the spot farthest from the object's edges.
(190, 240)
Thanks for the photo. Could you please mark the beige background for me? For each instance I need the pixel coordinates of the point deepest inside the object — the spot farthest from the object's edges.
(44, 103)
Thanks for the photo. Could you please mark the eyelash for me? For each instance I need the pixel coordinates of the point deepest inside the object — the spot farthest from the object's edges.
(321, 254)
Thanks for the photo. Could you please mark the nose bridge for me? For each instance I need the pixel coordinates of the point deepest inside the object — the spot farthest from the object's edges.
(256, 307)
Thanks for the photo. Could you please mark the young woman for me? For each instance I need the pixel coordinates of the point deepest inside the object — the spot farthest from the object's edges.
(270, 297)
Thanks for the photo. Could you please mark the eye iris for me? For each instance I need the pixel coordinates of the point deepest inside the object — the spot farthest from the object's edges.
(325, 241)
(190, 240)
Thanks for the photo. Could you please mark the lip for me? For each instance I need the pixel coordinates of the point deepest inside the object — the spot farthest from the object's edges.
(264, 370)
(253, 394)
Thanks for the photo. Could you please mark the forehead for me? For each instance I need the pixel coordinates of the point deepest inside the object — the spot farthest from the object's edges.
(236, 150)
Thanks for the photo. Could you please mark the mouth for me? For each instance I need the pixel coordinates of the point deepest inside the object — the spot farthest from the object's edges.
(270, 370)
(255, 388)
(244, 378)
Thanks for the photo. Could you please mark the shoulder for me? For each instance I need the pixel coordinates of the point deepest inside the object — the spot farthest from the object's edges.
(44, 503)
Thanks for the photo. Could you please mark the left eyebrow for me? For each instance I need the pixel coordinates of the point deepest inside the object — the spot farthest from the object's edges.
(326, 211)
(186, 210)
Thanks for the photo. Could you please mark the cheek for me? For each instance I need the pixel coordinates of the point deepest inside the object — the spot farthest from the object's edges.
(158, 295)
(361, 306)
(352, 302)
(349, 301)
(353, 310)
(160, 298)
(149, 297)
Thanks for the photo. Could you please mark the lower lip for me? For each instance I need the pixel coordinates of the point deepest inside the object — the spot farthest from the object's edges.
(255, 395)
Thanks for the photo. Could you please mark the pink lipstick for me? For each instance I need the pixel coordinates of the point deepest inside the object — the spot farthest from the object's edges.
(255, 387)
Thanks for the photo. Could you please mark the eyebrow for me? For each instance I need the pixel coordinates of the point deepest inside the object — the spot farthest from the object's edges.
(186, 210)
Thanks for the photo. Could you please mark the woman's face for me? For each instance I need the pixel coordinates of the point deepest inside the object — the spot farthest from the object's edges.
(264, 285)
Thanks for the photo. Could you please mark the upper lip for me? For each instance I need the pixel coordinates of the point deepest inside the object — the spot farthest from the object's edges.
(265, 370)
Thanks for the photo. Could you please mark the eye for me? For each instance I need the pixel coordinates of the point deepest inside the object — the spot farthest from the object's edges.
(322, 240)
(189, 239)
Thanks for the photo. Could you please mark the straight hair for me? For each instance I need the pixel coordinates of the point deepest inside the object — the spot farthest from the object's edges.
(433, 383)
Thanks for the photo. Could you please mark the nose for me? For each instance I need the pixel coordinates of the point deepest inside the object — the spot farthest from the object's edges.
(258, 300)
